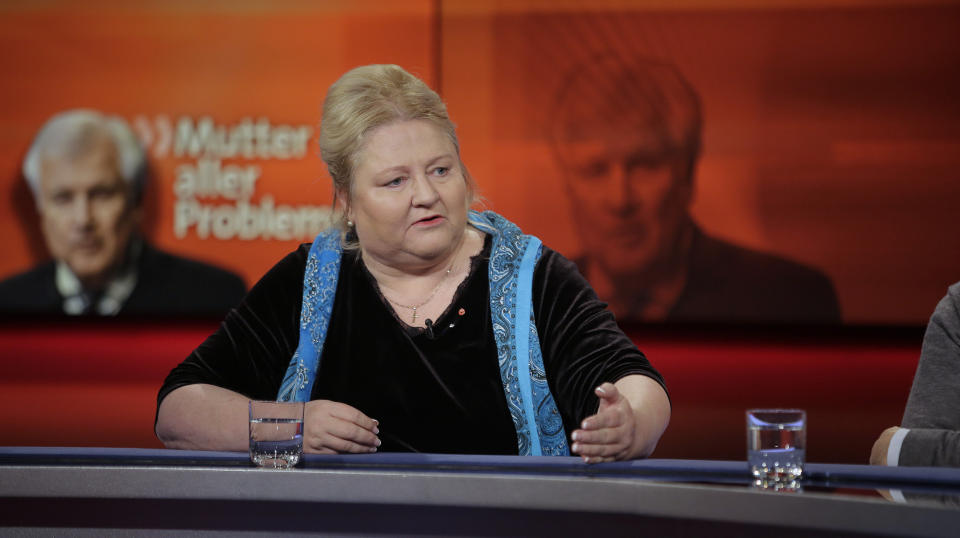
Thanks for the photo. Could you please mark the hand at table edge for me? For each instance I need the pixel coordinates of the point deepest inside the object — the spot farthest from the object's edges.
(878, 454)
(337, 428)
(631, 416)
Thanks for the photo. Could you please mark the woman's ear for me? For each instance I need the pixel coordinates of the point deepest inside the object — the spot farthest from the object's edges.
(471, 187)
(341, 200)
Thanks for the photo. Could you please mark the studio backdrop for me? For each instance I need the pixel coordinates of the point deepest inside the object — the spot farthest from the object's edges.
(704, 161)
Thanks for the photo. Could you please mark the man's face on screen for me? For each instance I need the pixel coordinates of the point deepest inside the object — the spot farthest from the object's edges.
(629, 202)
(86, 211)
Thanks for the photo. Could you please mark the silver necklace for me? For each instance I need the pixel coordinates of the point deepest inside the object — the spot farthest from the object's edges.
(429, 298)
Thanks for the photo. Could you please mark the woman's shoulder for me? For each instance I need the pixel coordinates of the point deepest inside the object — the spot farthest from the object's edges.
(284, 279)
(292, 264)
(553, 265)
(555, 256)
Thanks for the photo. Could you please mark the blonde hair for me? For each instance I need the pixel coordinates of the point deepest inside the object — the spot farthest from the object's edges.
(368, 97)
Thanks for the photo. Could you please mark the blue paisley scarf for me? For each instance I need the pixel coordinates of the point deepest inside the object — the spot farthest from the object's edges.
(513, 258)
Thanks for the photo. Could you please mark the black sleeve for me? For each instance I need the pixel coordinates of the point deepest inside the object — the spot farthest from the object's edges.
(582, 344)
(933, 409)
(250, 351)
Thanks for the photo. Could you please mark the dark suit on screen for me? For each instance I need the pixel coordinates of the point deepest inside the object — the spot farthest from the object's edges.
(729, 283)
(166, 285)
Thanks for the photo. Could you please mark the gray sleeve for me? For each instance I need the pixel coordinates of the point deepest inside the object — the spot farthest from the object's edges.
(933, 409)
(931, 447)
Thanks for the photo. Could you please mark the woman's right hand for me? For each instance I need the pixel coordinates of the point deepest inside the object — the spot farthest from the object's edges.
(334, 428)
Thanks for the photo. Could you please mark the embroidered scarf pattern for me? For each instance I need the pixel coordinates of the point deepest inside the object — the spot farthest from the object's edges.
(319, 290)
(513, 258)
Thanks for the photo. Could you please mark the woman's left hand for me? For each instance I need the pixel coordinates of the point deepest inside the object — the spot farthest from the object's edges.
(608, 435)
(629, 421)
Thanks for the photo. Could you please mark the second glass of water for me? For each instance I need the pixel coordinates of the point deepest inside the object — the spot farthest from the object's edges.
(276, 433)
(776, 447)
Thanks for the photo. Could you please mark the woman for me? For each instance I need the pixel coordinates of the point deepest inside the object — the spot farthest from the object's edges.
(418, 325)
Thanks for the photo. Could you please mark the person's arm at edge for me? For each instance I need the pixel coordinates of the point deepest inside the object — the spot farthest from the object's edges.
(929, 434)
(930, 447)
(916, 447)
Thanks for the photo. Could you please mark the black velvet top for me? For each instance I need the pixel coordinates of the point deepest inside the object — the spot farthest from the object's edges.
(433, 391)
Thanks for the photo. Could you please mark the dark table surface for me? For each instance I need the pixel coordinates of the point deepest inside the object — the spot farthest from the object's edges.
(134, 491)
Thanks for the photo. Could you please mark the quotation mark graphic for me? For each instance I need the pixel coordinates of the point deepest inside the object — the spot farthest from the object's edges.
(157, 135)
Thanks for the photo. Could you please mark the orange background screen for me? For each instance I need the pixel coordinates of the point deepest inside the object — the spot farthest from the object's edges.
(831, 129)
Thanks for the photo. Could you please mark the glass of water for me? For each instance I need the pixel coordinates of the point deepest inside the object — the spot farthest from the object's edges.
(276, 433)
(776, 447)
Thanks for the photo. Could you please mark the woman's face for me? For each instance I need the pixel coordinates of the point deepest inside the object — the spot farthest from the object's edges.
(409, 195)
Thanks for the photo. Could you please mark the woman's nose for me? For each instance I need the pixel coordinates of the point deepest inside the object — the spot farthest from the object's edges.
(424, 191)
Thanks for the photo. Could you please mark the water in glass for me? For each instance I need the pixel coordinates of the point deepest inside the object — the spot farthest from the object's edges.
(276, 442)
(776, 450)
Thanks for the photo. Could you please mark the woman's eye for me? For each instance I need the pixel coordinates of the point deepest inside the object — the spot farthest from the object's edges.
(441, 170)
(395, 182)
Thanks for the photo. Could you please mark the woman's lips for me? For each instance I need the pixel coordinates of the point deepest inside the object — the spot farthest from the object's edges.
(429, 221)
